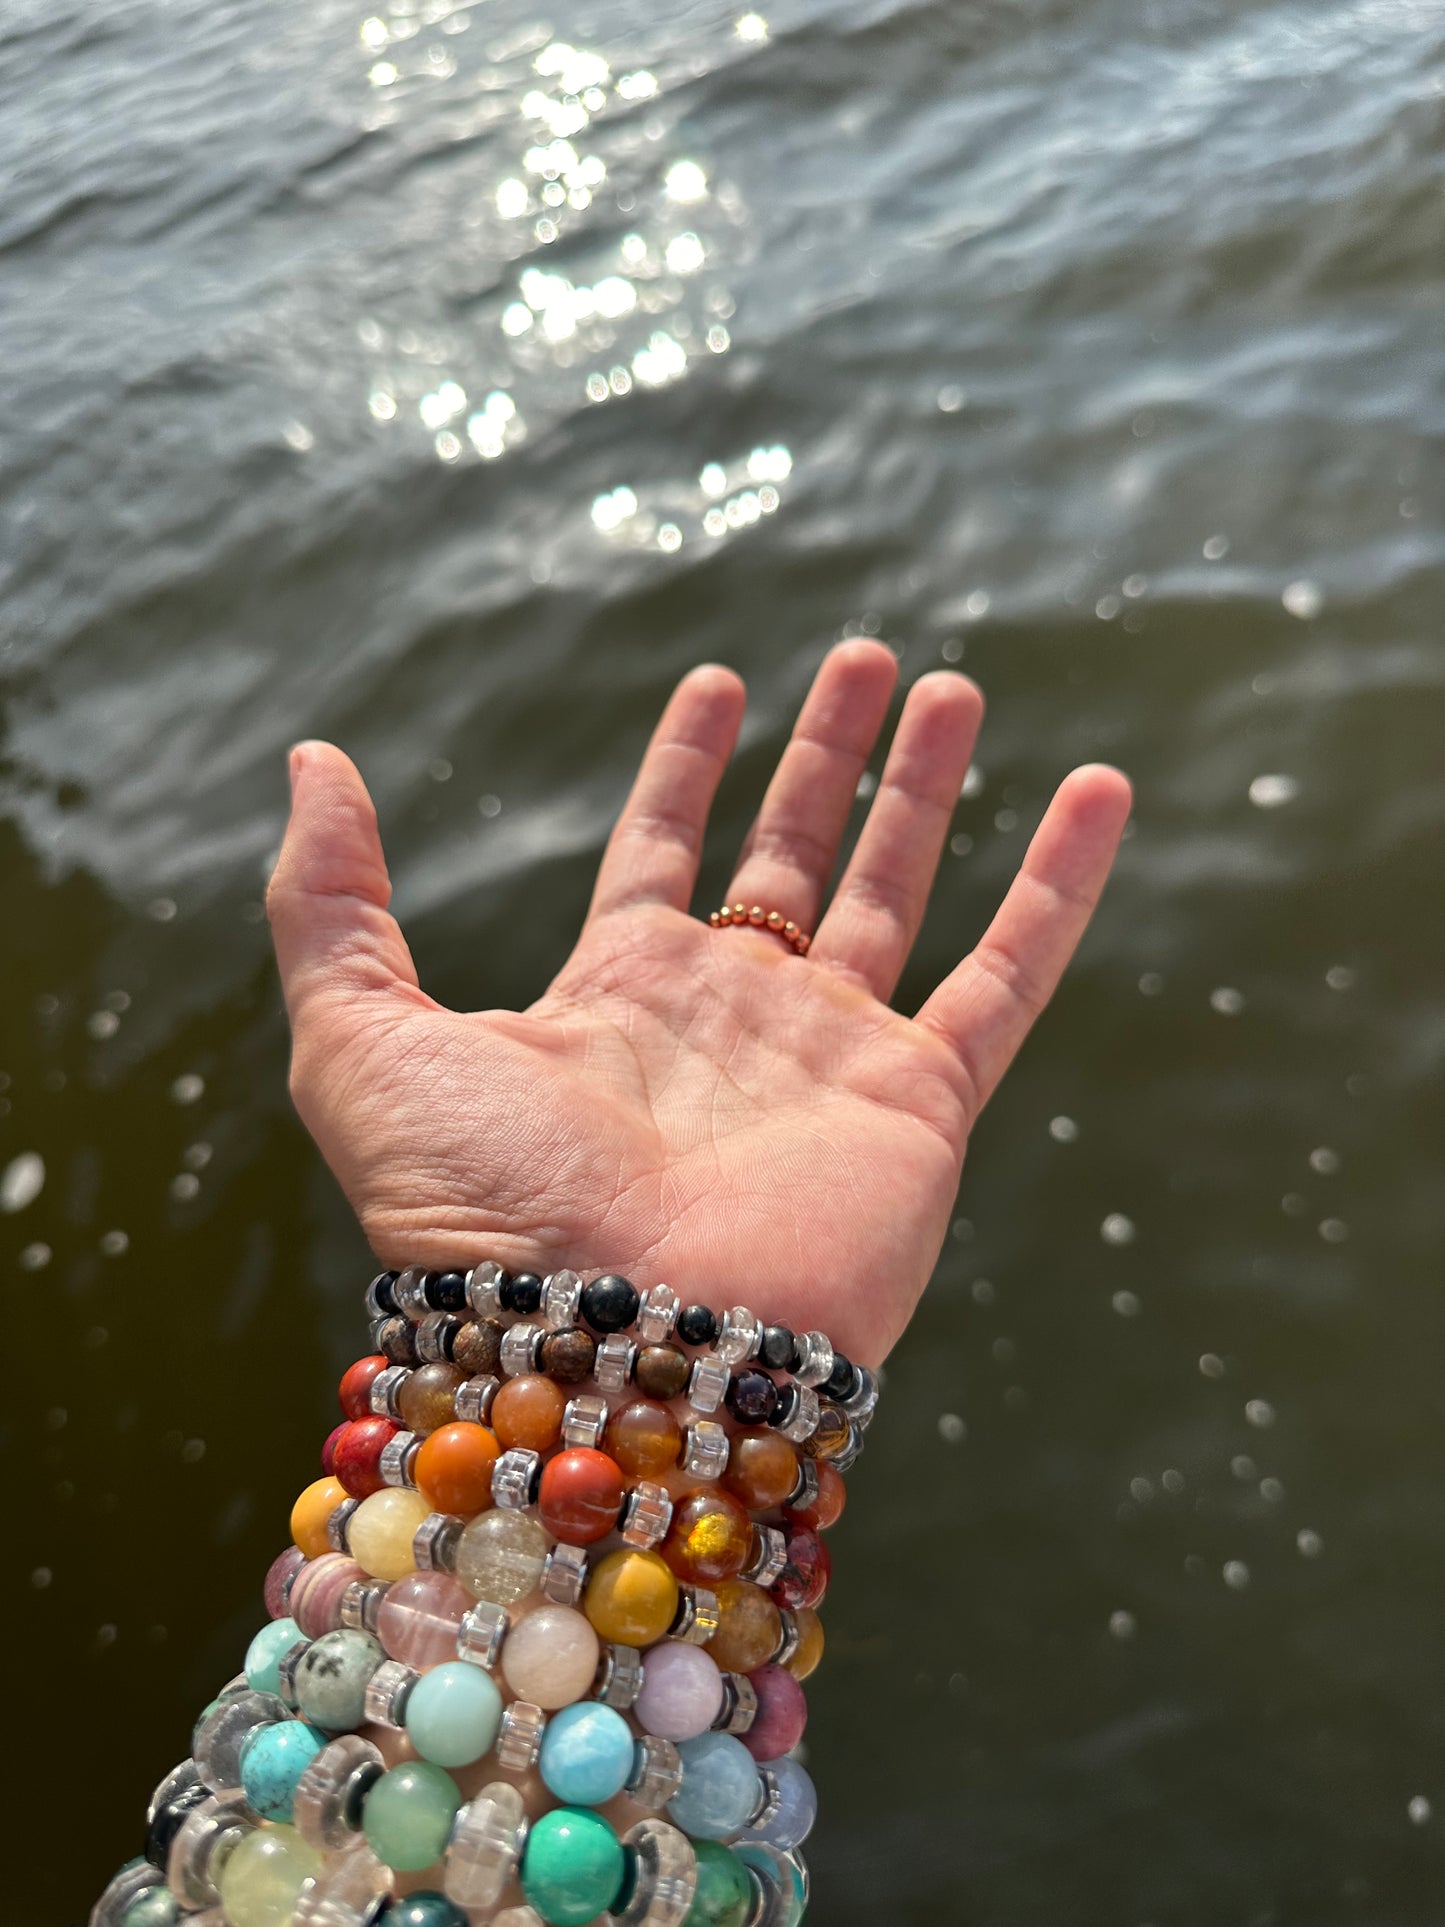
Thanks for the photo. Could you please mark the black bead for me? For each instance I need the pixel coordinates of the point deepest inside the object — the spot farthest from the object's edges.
(427, 1909)
(697, 1325)
(752, 1398)
(446, 1291)
(380, 1293)
(843, 1381)
(397, 1339)
(776, 1350)
(167, 1823)
(610, 1303)
(522, 1293)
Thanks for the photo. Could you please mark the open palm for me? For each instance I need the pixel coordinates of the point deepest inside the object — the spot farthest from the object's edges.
(684, 1104)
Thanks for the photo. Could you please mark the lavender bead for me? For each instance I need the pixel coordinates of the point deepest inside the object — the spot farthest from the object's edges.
(681, 1693)
(790, 1826)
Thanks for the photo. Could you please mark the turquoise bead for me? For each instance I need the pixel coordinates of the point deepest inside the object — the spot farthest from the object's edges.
(573, 1866)
(332, 1678)
(453, 1713)
(586, 1753)
(273, 1758)
(408, 1815)
(262, 1668)
(158, 1908)
(720, 1787)
(724, 1896)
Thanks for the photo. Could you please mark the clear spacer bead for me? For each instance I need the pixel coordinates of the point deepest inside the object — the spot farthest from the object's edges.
(864, 1402)
(646, 1515)
(361, 1604)
(351, 1890)
(329, 1794)
(815, 1366)
(177, 1781)
(387, 1692)
(398, 1457)
(223, 1732)
(845, 1460)
(705, 1450)
(619, 1677)
(410, 1293)
(697, 1615)
(657, 1315)
(769, 1556)
(474, 1399)
(664, 1877)
(385, 1392)
(203, 1843)
(372, 1300)
(561, 1299)
(514, 1477)
(584, 1420)
(484, 1289)
(520, 1346)
(435, 1336)
(338, 1524)
(137, 1877)
(485, 1847)
(480, 1635)
(519, 1739)
(708, 1384)
(739, 1706)
(434, 1543)
(616, 1356)
(798, 1415)
(656, 1772)
(565, 1574)
(739, 1336)
(790, 1637)
(523, 1916)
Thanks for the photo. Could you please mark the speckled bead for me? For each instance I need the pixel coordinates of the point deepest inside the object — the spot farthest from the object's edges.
(273, 1758)
(710, 1538)
(428, 1398)
(500, 1556)
(478, 1347)
(807, 1569)
(331, 1680)
(749, 1629)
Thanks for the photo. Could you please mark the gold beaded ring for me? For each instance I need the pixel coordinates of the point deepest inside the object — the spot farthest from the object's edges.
(761, 919)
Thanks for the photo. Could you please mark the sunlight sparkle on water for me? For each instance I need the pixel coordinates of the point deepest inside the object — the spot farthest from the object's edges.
(752, 28)
(685, 183)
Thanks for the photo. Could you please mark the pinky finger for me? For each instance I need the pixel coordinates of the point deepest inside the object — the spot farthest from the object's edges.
(986, 1007)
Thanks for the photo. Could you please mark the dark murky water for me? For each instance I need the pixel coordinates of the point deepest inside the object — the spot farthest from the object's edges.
(446, 384)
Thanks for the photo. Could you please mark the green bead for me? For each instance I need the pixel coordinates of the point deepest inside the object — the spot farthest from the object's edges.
(409, 1813)
(573, 1866)
(158, 1908)
(723, 1895)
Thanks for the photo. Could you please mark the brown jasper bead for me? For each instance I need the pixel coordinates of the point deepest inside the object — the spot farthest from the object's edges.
(750, 1628)
(661, 1371)
(568, 1356)
(428, 1398)
(527, 1412)
(644, 1438)
(478, 1347)
(762, 1471)
(831, 1436)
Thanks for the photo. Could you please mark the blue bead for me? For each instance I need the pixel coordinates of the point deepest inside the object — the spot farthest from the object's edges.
(720, 1787)
(423, 1910)
(273, 1758)
(453, 1713)
(264, 1653)
(797, 1809)
(586, 1753)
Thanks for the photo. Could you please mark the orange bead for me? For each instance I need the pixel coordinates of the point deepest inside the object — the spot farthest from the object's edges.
(631, 1598)
(709, 1539)
(527, 1412)
(644, 1438)
(310, 1513)
(827, 1509)
(750, 1628)
(762, 1469)
(810, 1643)
(454, 1468)
(428, 1398)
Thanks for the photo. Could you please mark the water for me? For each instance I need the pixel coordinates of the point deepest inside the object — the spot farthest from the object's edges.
(1095, 347)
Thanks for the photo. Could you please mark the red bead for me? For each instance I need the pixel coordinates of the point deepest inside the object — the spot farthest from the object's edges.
(328, 1451)
(827, 1509)
(355, 1388)
(581, 1496)
(357, 1456)
(804, 1579)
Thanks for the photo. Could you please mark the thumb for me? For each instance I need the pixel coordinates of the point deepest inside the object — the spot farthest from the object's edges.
(327, 899)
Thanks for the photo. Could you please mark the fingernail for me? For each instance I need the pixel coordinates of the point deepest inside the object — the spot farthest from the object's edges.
(294, 759)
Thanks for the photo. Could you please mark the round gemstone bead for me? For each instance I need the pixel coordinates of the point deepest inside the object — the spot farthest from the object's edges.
(720, 1787)
(752, 1398)
(418, 1619)
(724, 1894)
(332, 1677)
(273, 1758)
(709, 1539)
(317, 1592)
(550, 1657)
(581, 1496)
(409, 1813)
(831, 1436)
(696, 1325)
(356, 1460)
(844, 1379)
(568, 1356)
(644, 1438)
(382, 1528)
(500, 1556)
(586, 1754)
(631, 1597)
(522, 1293)
(749, 1629)
(782, 1714)
(804, 1579)
(827, 1509)
(265, 1875)
(264, 1653)
(395, 1338)
(661, 1371)
(527, 1412)
(776, 1348)
(609, 1304)
(809, 1650)
(478, 1347)
(453, 1713)
(428, 1398)
(354, 1390)
(797, 1802)
(424, 1910)
(762, 1469)
(682, 1691)
(573, 1866)
(454, 1468)
(310, 1513)
(328, 1450)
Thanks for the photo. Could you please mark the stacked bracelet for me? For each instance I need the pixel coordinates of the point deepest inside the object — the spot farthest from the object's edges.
(541, 1632)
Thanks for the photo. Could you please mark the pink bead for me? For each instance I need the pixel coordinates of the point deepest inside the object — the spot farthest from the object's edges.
(782, 1714)
(418, 1619)
(282, 1567)
(681, 1691)
(316, 1592)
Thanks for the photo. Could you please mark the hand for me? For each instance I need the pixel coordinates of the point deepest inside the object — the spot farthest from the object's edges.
(690, 1105)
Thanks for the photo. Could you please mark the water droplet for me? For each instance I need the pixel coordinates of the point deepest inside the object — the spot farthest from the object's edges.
(1211, 1365)
(1260, 1413)
(1216, 547)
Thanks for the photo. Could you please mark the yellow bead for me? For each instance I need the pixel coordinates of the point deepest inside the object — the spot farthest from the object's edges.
(310, 1513)
(631, 1597)
(810, 1644)
(382, 1528)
